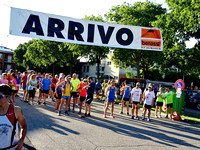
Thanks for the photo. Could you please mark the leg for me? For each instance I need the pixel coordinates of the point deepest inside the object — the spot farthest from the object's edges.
(66, 104)
(144, 112)
(86, 108)
(69, 103)
(133, 109)
(160, 110)
(122, 106)
(156, 110)
(127, 105)
(14, 101)
(112, 108)
(149, 113)
(107, 104)
(89, 108)
(137, 107)
(81, 105)
(61, 104)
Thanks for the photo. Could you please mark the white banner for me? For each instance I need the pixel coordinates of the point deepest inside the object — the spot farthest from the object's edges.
(64, 29)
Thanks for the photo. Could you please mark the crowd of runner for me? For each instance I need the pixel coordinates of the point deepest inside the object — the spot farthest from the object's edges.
(62, 89)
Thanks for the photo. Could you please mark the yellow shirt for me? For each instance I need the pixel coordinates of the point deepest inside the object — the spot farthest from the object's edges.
(67, 89)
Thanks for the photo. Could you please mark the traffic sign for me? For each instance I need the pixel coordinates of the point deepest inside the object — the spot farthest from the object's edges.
(179, 84)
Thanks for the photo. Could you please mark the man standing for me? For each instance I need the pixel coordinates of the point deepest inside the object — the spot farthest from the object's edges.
(46, 84)
(136, 99)
(98, 85)
(10, 116)
(169, 101)
(90, 93)
(75, 81)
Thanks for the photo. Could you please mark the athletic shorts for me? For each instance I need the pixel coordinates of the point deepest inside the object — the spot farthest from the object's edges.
(111, 100)
(147, 106)
(66, 97)
(45, 91)
(59, 96)
(160, 104)
(82, 98)
(88, 100)
(75, 94)
(24, 87)
(53, 89)
(97, 89)
(136, 103)
(170, 105)
(125, 99)
(14, 91)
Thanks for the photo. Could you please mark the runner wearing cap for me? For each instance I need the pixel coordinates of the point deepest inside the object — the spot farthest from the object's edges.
(58, 93)
(136, 97)
(53, 85)
(111, 98)
(75, 81)
(159, 102)
(148, 99)
(126, 97)
(83, 93)
(66, 93)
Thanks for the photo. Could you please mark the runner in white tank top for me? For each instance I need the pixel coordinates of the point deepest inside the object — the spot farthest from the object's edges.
(10, 116)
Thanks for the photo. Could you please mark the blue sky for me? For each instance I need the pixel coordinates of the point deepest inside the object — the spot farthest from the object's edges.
(75, 9)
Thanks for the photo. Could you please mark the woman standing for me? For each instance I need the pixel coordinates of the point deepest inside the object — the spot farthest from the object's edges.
(159, 102)
(14, 87)
(58, 93)
(32, 88)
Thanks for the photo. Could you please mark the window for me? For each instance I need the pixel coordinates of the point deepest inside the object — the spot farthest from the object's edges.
(102, 68)
(88, 68)
(9, 58)
(8, 67)
(1, 55)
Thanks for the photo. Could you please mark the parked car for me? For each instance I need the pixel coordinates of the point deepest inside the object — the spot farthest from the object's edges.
(194, 101)
(188, 94)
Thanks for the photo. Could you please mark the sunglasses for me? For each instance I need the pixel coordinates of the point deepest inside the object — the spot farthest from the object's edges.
(1, 96)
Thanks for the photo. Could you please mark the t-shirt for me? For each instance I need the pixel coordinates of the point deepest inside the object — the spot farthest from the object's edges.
(83, 93)
(46, 83)
(19, 79)
(24, 78)
(159, 98)
(38, 78)
(53, 80)
(14, 84)
(98, 85)
(90, 91)
(169, 97)
(149, 96)
(31, 87)
(136, 94)
(2, 81)
(75, 83)
(107, 87)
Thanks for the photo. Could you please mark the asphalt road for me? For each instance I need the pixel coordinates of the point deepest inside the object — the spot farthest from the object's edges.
(47, 131)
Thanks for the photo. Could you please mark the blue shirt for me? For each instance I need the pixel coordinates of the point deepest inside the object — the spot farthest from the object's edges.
(18, 79)
(46, 83)
(98, 84)
(111, 95)
(90, 91)
(127, 92)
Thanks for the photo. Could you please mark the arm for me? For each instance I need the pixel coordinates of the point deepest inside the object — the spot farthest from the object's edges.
(152, 102)
(107, 91)
(72, 87)
(116, 94)
(23, 125)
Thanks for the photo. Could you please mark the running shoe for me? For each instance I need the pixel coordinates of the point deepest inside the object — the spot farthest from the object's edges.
(104, 116)
(120, 112)
(44, 103)
(52, 100)
(56, 110)
(39, 102)
(156, 116)
(166, 116)
(112, 116)
(143, 118)
(137, 117)
(66, 113)
(127, 114)
(22, 99)
(148, 119)
(73, 110)
(68, 109)
(76, 105)
(59, 113)
(159, 116)
(84, 115)
(170, 116)
(88, 115)
(132, 117)
(29, 103)
(79, 112)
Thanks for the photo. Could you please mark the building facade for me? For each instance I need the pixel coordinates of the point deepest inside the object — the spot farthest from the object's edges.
(6, 59)
(107, 69)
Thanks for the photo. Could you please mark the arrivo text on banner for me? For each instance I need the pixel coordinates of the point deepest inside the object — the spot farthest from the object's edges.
(65, 29)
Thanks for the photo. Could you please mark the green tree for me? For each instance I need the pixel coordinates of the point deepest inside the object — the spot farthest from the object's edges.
(139, 14)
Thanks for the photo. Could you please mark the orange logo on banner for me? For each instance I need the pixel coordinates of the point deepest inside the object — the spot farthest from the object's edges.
(151, 43)
(151, 33)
